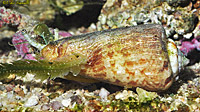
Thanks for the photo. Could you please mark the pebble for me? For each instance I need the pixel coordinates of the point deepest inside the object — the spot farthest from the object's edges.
(56, 105)
(9, 87)
(2, 87)
(103, 94)
(175, 36)
(10, 95)
(19, 91)
(188, 35)
(124, 95)
(10, 78)
(28, 77)
(44, 98)
(66, 102)
(67, 94)
(76, 99)
(32, 101)
(45, 107)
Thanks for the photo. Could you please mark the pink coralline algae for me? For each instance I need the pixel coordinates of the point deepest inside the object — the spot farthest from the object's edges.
(22, 46)
(61, 33)
(9, 17)
(64, 34)
(188, 46)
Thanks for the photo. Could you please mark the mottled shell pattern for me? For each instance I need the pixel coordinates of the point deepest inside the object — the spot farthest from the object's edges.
(129, 56)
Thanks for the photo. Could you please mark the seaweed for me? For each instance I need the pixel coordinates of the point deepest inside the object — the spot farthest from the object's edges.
(43, 69)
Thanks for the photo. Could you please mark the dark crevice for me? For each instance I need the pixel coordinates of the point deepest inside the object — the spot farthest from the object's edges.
(183, 77)
(4, 46)
(85, 17)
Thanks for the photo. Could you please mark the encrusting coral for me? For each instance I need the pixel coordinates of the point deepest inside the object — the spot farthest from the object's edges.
(179, 17)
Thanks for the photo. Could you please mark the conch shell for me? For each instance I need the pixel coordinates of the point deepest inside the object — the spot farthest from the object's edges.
(139, 56)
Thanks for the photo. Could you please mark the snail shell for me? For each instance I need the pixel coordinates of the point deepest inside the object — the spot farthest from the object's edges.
(139, 56)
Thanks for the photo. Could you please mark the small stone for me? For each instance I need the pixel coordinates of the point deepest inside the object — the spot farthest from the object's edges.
(10, 78)
(96, 92)
(2, 87)
(43, 98)
(19, 91)
(66, 102)
(188, 35)
(56, 105)
(175, 36)
(32, 101)
(67, 95)
(45, 107)
(181, 31)
(124, 95)
(103, 19)
(28, 77)
(76, 99)
(9, 87)
(103, 94)
(10, 95)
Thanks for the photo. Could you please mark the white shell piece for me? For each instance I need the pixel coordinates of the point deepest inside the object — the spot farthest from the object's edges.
(188, 35)
(33, 100)
(66, 102)
(173, 56)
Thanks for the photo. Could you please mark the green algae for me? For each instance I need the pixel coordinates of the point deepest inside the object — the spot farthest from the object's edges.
(42, 68)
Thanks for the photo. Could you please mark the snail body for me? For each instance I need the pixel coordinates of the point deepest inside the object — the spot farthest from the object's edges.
(139, 56)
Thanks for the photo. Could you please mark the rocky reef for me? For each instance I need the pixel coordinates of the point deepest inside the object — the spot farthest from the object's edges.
(180, 19)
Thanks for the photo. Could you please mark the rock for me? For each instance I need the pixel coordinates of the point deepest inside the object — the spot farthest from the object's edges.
(66, 102)
(56, 105)
(32, 101)
(2, 87)
(19, 91)
(124, 95)
(76, 99)
(45, 107)
(103, 94)
(10, 95)
(28, 77)
(9, 87)
(188, 35)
